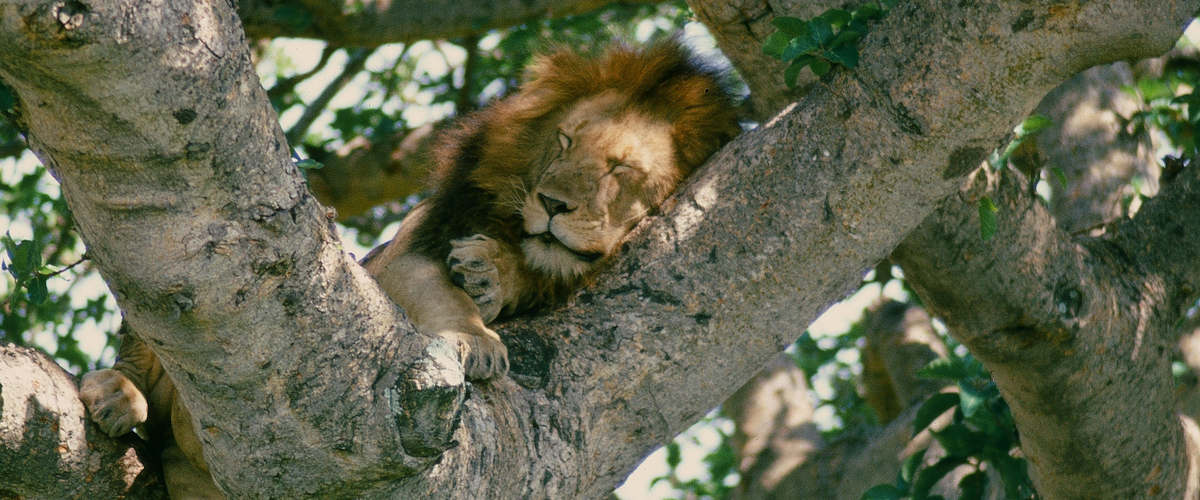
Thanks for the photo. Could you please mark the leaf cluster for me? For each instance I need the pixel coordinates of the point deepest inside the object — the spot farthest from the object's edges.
(721, 464)
(981, 435)
(821, 42)
(1168, 104)
(28, 304)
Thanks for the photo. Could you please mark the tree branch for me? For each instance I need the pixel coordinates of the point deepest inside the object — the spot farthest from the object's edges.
(357, 58)
(46, 434)
(388, 21)
(1083, 341)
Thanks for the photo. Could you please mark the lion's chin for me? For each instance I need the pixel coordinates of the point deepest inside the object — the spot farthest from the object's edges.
(546, 253)
(549, 239)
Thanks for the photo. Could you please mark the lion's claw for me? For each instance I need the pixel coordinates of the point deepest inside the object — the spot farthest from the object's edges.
(473, 268)
(483, 357)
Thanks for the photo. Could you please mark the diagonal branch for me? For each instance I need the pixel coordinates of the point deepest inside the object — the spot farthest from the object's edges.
(1081, 346)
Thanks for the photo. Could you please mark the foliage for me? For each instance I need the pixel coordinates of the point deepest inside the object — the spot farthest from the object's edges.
(29, 306)
(981, 435)
(823, 41)
(1168, 104)
(819, 359)
(1021, 151)
(720, 464)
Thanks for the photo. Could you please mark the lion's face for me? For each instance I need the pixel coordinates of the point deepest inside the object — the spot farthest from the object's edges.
(609, 165)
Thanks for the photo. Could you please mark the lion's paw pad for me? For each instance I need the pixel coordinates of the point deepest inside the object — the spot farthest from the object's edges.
(114, 402)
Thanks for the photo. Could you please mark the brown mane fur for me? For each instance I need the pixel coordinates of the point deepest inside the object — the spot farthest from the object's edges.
(491, 152)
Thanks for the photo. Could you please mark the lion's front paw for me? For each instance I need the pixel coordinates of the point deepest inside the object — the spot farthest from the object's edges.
(483, 356)
(473, 267)
(116, 404)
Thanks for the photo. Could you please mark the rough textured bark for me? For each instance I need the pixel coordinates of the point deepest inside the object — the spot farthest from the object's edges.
(375, 22)
(1079, 346)
(1087, 141)
(45, 434)
(304, 381)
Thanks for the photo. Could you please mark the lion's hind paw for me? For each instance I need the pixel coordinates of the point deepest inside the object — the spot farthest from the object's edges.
(115, 403)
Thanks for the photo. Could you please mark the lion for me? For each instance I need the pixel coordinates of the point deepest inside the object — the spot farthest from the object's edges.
(137, 395)
(534, 191)
(530, 195)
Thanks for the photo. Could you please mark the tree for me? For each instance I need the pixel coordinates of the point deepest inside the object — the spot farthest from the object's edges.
(303, 380)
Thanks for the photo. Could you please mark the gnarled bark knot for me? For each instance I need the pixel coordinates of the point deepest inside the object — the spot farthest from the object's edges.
(427, 401)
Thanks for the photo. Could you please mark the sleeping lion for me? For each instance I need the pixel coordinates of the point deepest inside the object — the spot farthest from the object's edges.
(530, 195)
(532, 192)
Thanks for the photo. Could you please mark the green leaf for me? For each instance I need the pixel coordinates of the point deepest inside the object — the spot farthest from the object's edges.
(10, 246)
(973, 486)
(987, 218)
(819, 66)
(867, 12)
(673, 455)
(1013, 474)
(959, 440)
(1058, 174)
(776, 43)
(310, 164)
(1153, 88)
(932, 408)
(1033, 124)
(882, 492)
(820, 31)
(1190, 98)
(26, 258)
(932, 474)
(846, 37)
(792, 73)
(7, 98)
(37, 290)
(846, 55)
(944, 369)
(970, 399)
(908, 470)
(837, 17)
(798, 47)
(793, 26)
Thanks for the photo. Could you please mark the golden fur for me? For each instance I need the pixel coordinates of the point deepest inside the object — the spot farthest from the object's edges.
(533, 191)
(136, 395)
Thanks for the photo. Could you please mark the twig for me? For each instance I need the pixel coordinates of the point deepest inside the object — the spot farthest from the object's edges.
(358, 59)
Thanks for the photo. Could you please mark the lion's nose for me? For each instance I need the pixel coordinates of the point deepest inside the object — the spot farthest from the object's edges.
(553, 206)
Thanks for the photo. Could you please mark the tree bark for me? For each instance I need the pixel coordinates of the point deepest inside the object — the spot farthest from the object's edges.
(1080, 346)
(51, 449)
(303, 380)
(376, 22)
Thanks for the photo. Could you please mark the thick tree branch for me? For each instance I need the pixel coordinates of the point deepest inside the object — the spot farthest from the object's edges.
(1080, 346)
(376, 22)
(304, 381)
(44, 433)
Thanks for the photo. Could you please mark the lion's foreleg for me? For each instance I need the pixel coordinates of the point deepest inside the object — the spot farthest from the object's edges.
(436, 306)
